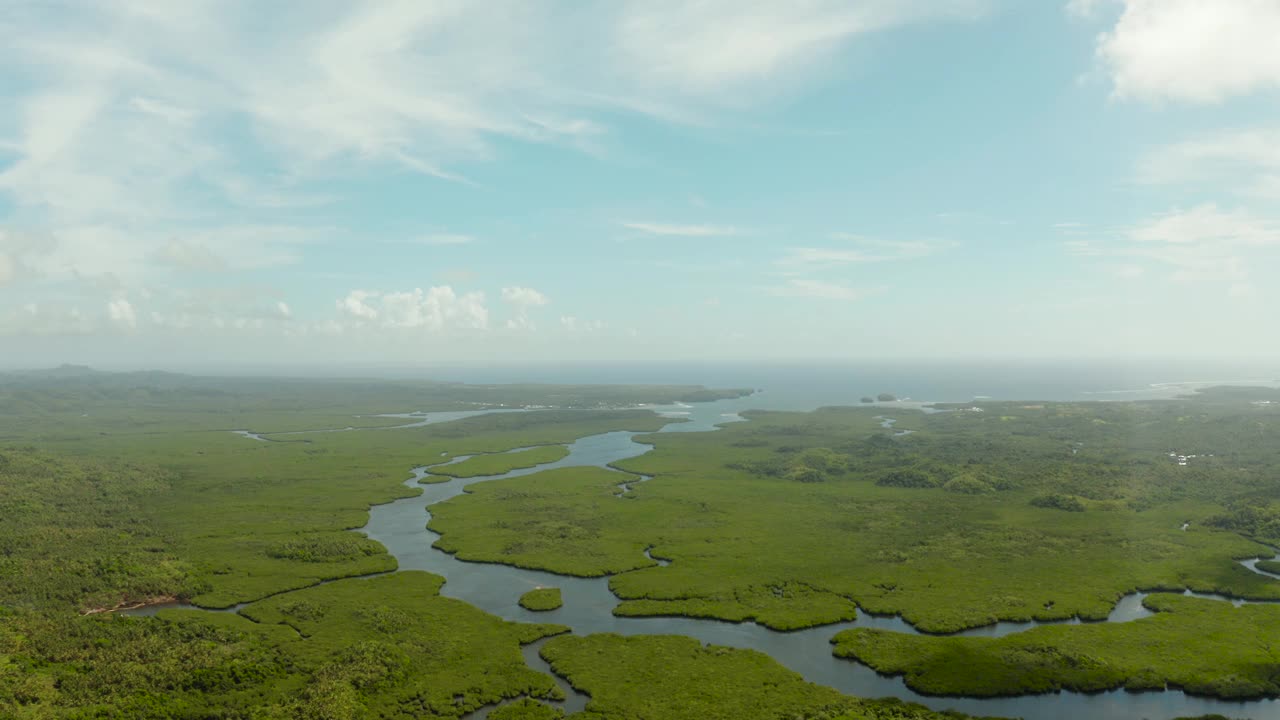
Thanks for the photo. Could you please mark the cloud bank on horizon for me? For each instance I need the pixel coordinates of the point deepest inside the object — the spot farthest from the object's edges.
(403, 181)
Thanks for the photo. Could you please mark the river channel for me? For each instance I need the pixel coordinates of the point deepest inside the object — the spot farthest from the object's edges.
(588, 603)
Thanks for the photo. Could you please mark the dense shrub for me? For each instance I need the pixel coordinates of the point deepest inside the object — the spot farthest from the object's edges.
(323, 548)
(1059, 501)
(968, 484)
(908, 478)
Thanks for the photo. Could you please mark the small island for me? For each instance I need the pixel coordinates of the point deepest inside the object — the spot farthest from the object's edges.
(541, 599)
(886, 397)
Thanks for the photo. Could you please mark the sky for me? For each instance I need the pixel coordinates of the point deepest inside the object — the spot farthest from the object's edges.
(232, 183)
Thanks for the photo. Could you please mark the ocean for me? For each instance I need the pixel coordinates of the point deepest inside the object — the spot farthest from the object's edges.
(807, 386)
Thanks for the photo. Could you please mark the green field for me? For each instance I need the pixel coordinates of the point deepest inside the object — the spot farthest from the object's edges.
(499, 463)
(541, 599)
(1206, 647)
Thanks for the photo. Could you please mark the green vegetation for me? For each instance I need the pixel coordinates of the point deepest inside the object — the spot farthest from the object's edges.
(119, 490)
(677, 678)
(1271, 566)
(518, 522)
(76, 401)
(438, 657)
(76, 535)
(540, 599)
(389, 647)
(250, 518)
(527, 709)
(958, 525)
(499, 463)
(125, 489)
(1206, 647)
(1256, 517)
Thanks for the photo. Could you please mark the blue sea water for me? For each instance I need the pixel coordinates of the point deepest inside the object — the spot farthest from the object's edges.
(806, 386)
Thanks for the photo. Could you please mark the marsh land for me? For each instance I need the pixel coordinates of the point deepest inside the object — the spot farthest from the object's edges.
(979, 555)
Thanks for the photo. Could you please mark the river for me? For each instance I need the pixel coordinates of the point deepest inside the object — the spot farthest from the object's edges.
(588, 605)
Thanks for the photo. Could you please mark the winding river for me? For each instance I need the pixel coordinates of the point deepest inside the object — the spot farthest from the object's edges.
(588, 603)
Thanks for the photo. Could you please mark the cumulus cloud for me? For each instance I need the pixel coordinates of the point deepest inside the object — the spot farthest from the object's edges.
(122, 313)
(436, 308)
(524, 297)
(356, 305)
(1199, 51)
(677, 230)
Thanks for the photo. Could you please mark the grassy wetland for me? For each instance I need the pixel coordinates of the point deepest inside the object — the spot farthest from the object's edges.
(678, 678)
(541, 599)
(795, 519)
(129, 490)
(499, 463)
(120, 491)
(1206, 647)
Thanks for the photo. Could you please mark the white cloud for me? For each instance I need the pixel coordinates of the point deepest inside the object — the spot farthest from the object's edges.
(574, 325)
(436, 308)
(282, 308)
(524, 297)
(723, 47)
(8, 269)
(681, 230)
(800, 287)
(356, 305)
(1200, 51)
(121, 312)
(1208, 225)
(118, 142)
(1247, 161)
(1200, 243)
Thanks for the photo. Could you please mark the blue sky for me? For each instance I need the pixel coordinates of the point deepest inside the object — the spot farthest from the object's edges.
(451, 182)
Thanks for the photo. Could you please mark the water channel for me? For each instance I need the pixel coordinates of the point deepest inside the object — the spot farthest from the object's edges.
(588, 603)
